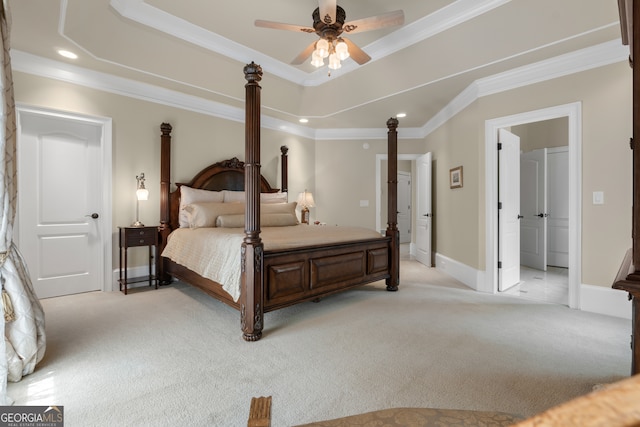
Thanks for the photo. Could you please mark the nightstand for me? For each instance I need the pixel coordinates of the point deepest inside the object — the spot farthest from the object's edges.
(134, 237)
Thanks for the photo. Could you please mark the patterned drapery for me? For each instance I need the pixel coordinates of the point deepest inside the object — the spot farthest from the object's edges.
(24, 342)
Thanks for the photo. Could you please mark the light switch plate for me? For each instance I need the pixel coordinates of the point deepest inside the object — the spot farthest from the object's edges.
(364, 203)
(598, 198)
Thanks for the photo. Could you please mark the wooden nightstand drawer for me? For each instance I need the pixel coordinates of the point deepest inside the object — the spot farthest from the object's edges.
(143, 236)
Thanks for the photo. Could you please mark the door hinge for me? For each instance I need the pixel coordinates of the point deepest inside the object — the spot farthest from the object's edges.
(631, 143)
(499, 205)
(499, 145)
(499, 264)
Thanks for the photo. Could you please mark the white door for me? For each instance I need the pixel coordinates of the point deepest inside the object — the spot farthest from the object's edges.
(558, 196)
(59, 167)
(533, 208)
(423, 214)
(508, 210)
(404, 206)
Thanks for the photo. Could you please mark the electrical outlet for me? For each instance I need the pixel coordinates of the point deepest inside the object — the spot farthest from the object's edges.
(364, 203)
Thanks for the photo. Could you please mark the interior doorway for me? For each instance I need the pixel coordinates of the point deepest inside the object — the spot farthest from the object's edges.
(406, 163)
(64, 204)
(572, 112)
(544, 211)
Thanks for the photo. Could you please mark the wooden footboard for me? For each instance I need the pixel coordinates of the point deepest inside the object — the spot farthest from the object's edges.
(306, 274)
(310, 273)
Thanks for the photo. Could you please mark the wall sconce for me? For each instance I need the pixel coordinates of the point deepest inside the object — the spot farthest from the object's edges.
(305, 199)
(141, 194)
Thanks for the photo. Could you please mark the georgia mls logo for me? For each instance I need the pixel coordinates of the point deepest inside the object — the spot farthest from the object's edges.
(31, 416)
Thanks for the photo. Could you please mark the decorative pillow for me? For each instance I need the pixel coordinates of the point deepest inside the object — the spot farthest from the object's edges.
(273, 198)
(266, 220)
(239, 197)
(233, 196)
(190, 195)
(205, 214)
(271, 208)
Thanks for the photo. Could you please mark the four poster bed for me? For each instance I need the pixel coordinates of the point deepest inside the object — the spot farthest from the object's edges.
(269, 268)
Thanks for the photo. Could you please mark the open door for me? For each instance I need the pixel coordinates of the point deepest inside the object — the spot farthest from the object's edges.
(533, 208)
(508, 210)
(423, 213)
(404, 206)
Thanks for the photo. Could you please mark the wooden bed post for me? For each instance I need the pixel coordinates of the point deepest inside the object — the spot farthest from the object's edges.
(252, 308)
(284, 168)
(392, 206)
(165, 182)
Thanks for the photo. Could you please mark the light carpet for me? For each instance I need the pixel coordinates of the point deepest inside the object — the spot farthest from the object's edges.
(175, 356)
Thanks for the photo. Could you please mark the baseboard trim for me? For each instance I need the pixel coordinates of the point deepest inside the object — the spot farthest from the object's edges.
(594, 299)
(459, 271)
(605, 300)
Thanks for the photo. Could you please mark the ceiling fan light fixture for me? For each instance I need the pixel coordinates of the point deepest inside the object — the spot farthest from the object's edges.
(316, 59)
(342, 50)
(334, 61)
(322, 48)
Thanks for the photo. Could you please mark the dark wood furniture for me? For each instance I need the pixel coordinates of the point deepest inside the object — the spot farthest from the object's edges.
(628, 278)
(275, 279)
(130, 237)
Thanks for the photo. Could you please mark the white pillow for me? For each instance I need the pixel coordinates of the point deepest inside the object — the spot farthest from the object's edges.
(273, 198)
(233, 196)
(190, 195)
(239, 197)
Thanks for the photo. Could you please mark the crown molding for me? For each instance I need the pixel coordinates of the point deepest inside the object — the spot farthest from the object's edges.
(570, 63)
(43, 67)
(575, 62)
(563, 65)
(421, 29)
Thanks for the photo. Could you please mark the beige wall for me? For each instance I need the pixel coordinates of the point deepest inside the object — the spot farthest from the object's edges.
(345, 175)
(457, 229)
(605, 94)
(198, 140)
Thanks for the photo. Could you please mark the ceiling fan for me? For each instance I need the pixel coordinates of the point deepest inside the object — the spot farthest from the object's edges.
(329, 24)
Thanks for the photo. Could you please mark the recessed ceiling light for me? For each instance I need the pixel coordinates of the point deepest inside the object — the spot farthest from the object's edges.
(303, 120)
(67, 54)
(401, 115)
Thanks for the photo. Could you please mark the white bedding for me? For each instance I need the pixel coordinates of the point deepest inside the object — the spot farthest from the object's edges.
(214, 253)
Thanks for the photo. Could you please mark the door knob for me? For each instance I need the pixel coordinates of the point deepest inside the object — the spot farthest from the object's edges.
(520, 216)
(94, 215)
(542, 215)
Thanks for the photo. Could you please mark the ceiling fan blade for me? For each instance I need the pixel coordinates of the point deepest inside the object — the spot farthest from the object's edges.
(304, 54)
(281, 26)
(356, 53)
(327, 11)
(374, 22)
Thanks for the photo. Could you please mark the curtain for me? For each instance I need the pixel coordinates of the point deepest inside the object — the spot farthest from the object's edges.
(23, 320)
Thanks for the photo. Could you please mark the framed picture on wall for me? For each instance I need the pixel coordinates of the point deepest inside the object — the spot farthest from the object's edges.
(455, 177)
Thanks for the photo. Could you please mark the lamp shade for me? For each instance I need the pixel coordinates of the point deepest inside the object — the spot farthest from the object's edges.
(305, 200)
(142, 194)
